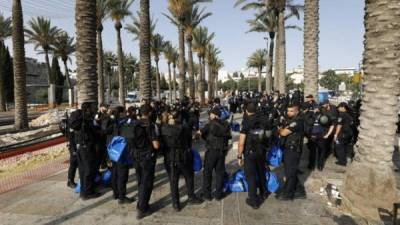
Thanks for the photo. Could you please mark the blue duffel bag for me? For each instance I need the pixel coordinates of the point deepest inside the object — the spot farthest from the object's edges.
(197, 163)
(235, 127)
(272, 184)
(106, 178)
(275, 156)
(116, 148)
(78, 187)
(224, 114)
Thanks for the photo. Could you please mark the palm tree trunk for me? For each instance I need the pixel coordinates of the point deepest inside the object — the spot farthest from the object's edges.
(67, 78)
(210, 82)
(276, 62)
(200, 84)
(182, 71)
(121, 72)
(100, 66)
(46, 57)
(86, 53)
(169, 84)
(174, 82)
(158, 88)
(3, 107)
(216, 84)
(282, 53)
(190, 67)
(21, 111)
(311, 38)
(259, 80)
(145, 58)
(370, 183)
(203, 81)
(270, 59)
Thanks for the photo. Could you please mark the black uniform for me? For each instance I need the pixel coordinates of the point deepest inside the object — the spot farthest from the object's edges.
(344, 138)
(321, 149)
(178, 159)
(84, 136)
(256, 146)
(144, 133)
(73, 159)
(217, 135)
(293, 148)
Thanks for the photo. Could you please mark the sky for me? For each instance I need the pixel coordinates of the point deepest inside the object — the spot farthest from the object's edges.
(341, 31)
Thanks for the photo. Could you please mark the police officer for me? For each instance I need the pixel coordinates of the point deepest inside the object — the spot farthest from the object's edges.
(176, 139)
(253, 145)
(292, 140)
(217, 134)
(73, 160)
(82, 122)
(344, 134)
(146, 135)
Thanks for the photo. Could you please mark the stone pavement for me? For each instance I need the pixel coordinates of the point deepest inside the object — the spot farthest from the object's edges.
(50, 202)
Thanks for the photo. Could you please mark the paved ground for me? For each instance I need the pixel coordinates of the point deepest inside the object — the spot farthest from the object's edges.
(50, 202)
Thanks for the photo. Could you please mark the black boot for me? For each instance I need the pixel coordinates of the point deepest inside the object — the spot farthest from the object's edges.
(71, 184)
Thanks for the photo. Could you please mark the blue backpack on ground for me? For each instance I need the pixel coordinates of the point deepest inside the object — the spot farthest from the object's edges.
(238, 183)
(224, 114)
(235, 127)
(116, 148)
(275, 156)
(197, 164)
(272, 184)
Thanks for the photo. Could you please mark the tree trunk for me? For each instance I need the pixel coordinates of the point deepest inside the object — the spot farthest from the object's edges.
(311, 39)
(169, 84)
(46, 57)
(174, 82)
(210, 82)
(282, 53)
(201, 82)
(158, 88)
(370, 183)
(276, 62)
(270, 59)
(145, 58)
(3, 107)
(21, 112)
(259, 80)
(86, 53)
(121, 72)
(216, 84)
(100, 66)
(182, 71)
(67, 78)
(190, 67)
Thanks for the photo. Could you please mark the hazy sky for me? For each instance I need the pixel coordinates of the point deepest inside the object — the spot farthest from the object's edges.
(341, 31)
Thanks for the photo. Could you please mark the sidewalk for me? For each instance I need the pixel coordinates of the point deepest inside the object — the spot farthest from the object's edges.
(50, 202)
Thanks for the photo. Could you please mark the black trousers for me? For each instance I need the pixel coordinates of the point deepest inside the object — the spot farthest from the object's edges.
(174, 171)
(73, 163)
(214, 160)
(312, 149)
(145, 169)
(119, 178)
(319, 150)
(255, 168)
(291, 164)
(87, 170)
(341, 152)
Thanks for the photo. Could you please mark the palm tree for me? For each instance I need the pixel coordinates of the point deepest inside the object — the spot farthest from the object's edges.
(110, 61)
(64, 47)
(145, 57)
(102, 13)
(86, 52)
(219, 64)
(169, 53)
(257, 60)
(211, 57)
(5, 32)
(311, 39)
(201, 39)
(131, 65)
(43, 35)
(119, 9)
(193, 18)
(266, 22)
(134, 26)
(157, 45)
(21, 111)
(370, 182)
(178, 10)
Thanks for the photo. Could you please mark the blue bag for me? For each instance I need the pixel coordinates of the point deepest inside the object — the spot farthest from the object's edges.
(235, 127)
(197, 164)
(272, 184)
(224, 114)
(106, 178)
(78, 187)
(275, 156)
(238, 183)
(116, 148)
(201, 124)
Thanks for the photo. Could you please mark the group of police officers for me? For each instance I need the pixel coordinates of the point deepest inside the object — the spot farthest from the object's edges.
(157, 128)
